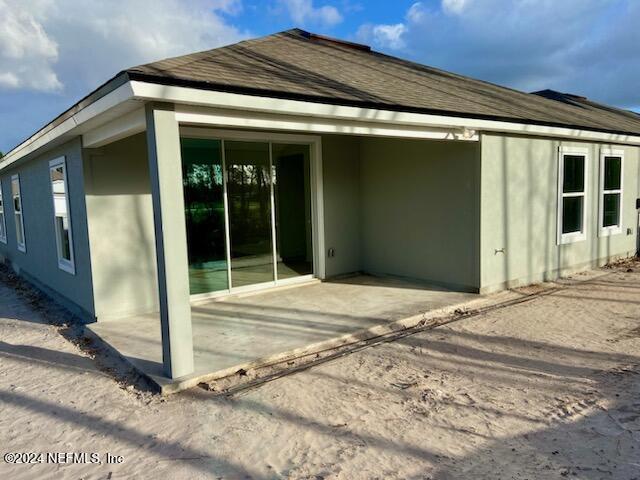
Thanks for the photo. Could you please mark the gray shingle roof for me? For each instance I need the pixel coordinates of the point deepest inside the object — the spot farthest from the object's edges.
(611, 114)
(298, 65)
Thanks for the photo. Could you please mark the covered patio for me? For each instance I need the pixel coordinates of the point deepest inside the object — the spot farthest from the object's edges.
(253, 330)
(238, 247)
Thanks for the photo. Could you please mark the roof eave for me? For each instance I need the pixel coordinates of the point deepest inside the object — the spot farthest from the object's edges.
(133, 86)
(219, 87)
(112, 93)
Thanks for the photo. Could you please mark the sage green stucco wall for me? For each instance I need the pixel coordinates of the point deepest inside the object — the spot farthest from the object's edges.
(341, 189)
(121, 230)
(40, 262)
(420, 210)
(519, 197)
(402, 207)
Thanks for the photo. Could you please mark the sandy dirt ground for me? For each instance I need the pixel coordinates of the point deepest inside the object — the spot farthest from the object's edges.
(549, 388)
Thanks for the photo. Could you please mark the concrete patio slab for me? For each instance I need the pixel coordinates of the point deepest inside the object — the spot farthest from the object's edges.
(241, 332)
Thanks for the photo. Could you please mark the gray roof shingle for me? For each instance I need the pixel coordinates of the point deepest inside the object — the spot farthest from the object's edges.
(299, 65)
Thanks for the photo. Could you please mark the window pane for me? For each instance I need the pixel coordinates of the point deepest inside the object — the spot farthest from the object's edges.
(249, 198)
(15, 187)
(573, 174)
(2, 232)
(19, 234)
(611, 210)
(16, 204)
(204, 214)
(57, 174)
(59, 190)
(572, 214)
(62, 228)
(612, 171)
(292, 195)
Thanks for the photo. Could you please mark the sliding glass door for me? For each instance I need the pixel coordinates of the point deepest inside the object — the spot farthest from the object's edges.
(202, 177)
(249, 200)
(248, 213)
(292, 196)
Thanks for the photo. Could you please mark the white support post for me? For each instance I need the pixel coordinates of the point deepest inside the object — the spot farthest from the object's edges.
(165, 171)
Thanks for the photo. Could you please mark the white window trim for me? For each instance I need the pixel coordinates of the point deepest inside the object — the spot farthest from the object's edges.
(614, 229)
(566, 238)
(3, 219)
(22, 247)
(64, 264)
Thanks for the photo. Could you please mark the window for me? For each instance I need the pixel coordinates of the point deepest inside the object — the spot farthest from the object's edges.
(17, 211)
(611, 167)
(3, 223)
(572, 195)
(61, 217)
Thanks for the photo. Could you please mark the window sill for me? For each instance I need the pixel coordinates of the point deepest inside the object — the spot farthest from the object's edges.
(3, 240)
(66, 267)
(610, 231)
(568, 238)
(22, 248)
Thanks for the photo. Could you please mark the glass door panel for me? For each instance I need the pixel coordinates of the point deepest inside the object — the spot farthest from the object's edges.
(204, 214)
(249, 203)
(292, 195)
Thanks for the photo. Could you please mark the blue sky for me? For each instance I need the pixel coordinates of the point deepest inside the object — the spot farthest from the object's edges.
(53, 52)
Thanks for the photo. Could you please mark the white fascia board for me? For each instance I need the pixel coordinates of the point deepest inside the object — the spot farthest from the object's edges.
(189, 115)
(192, 96)
(40, 139)
(121, 127)
(356, 120)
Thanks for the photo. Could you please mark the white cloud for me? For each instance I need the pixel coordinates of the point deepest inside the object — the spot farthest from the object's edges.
(46, 44)
(587, 47)
(454, 6)
(231, 7)
(415, 13)
(9, 80)
(304, 12)
(383, 36)
(26, 51)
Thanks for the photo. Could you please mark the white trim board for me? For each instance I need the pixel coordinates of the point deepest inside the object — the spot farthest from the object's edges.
(195, 97)
(63, 264)
(572, 237)
(614, 229)
(189, 115)
(42, 138)
(143, 91)
(118, 128)
(22, 247)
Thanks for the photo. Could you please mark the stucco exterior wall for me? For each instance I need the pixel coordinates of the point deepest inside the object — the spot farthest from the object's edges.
(341, 190)
(519, 198)
(420, 210)
(121, 231)
(39, 264)
(400, 207)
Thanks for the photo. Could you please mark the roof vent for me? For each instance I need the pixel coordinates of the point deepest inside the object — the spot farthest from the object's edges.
(337, 41)
(577, 97)
(555, 95)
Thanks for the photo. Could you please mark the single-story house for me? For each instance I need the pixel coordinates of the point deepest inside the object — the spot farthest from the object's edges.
(296, 157)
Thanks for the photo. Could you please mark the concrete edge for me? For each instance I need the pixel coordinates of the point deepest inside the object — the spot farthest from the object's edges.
(424, 320)
(249, 374)
(109, 349)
